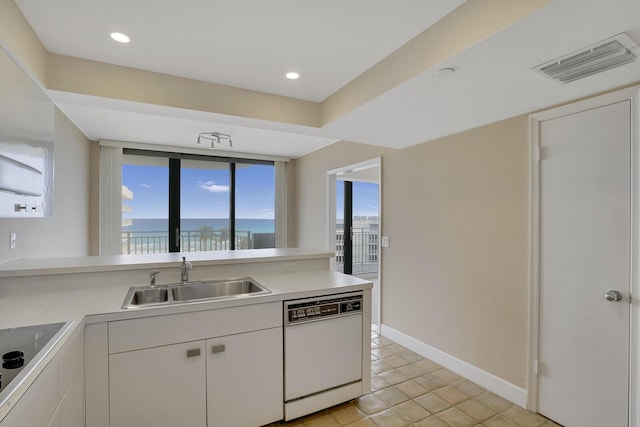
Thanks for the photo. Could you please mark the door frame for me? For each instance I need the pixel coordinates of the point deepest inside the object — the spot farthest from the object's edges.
(633, 95)
(330, 216)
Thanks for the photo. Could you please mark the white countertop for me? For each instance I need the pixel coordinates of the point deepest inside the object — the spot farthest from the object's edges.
(89, 264)
(102, 304)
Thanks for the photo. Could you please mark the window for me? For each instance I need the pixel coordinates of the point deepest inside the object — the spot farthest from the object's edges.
(185, 203)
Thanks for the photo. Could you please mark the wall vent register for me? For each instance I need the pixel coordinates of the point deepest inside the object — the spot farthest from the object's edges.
(605, 55)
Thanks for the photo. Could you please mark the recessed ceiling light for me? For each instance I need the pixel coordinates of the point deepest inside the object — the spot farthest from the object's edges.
(293, 75)
(119, 37)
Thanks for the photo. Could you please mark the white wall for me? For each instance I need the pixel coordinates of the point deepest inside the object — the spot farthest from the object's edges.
(455, 274)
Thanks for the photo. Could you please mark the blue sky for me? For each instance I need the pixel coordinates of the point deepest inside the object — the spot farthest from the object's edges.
(204, 192)
(365, 199)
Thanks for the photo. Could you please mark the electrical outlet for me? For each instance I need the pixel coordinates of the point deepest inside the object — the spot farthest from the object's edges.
(12, 240)
(289, 267)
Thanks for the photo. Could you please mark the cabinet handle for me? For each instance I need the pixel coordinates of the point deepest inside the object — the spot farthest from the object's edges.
(217, 348)
(194, 352)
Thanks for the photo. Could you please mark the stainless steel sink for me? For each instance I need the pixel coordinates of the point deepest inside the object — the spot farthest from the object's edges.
(219, 289)
(147, 296)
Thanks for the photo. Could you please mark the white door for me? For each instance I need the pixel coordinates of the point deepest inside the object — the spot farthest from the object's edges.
(585, 216)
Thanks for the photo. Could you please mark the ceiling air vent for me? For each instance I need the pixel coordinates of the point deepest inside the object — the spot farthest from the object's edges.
(607, 54)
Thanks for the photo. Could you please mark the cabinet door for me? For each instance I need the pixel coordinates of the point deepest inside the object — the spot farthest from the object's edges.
(244, 379)
(71, 410)
(38, 404)
(159, 386)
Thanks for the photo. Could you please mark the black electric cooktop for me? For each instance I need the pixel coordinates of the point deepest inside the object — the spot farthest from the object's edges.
(18, 346)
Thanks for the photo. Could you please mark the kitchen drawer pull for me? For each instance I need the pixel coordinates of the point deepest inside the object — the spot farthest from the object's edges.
(217, 348)
(193, 352)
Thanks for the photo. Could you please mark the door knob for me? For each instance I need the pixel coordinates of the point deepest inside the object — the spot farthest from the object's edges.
(613, 296)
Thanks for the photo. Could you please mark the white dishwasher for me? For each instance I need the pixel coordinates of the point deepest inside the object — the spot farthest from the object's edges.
(322, 352)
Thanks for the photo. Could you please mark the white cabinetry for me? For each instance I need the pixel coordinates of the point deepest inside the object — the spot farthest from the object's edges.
(244, 379)
(156, 378)
(56, 397)
(160, 386)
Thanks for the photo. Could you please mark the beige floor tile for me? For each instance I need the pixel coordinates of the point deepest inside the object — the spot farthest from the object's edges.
(326, 420)
(451, 395)
(382, 341)
(380, 366)
(432, 421)
(469, 388)
(411, 412)
(378, 383)
(430, 382)
(523, 418)
(410, 356)
(432, 402)
(493, 401)
(447, 376)
(388, 418)
(456, 418)
(411, 388)
(395, 361)
(381, 352)
(413, 370)
(394, 377)
(370, 404)
(476, 410)
(365, 422)
(392, 396)
(428, 365)
(499, 421)
(347, 413)
(395, 348)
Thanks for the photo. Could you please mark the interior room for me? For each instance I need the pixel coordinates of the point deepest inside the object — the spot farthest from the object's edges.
(408, 158)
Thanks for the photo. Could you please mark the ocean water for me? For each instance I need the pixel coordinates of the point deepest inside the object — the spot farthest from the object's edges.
(148, 226)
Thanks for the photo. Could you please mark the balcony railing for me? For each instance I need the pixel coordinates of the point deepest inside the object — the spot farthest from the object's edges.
(153, 242)
(365, 244)
(365, 250)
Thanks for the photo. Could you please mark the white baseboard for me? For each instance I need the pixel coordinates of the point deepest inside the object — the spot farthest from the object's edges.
(485, 379)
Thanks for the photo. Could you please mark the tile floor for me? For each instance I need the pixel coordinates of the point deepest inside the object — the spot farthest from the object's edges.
(409, 390)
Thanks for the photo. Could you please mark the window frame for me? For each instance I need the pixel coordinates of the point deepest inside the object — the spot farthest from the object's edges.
(174, 190)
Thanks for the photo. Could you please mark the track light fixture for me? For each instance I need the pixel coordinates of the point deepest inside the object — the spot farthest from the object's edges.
(214, 138)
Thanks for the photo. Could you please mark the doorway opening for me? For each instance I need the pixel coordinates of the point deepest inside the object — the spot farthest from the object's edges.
(354, 224)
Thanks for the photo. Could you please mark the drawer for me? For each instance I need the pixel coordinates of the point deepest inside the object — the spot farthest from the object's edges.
(134, 334)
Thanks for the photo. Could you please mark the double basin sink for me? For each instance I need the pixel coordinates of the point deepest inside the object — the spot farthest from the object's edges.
(149, 296)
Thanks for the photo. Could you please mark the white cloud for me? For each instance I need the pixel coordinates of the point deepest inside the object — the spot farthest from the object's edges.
(145, 186)
(213, 187)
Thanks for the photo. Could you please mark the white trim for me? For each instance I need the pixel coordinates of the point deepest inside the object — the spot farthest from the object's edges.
(189, 150)
(632, 94)
(502, 388)
(330, 216)
(280, 207)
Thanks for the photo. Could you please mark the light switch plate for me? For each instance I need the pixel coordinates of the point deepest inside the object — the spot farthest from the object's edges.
(12, 240)
(384, 242)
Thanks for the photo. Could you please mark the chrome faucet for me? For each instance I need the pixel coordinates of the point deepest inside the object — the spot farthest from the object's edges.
(184, 270)
(152, 278)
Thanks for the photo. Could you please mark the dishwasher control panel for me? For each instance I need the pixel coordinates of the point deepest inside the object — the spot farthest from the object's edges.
(322, 309)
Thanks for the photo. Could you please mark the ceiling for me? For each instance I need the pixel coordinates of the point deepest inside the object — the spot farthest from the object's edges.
(251, 44)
